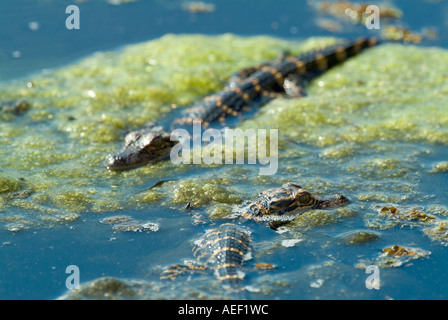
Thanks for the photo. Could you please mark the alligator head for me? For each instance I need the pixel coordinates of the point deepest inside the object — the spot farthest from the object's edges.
(141, 147)
(286, 202)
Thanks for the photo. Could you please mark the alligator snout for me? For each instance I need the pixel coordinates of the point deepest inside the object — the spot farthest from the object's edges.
(114, 162)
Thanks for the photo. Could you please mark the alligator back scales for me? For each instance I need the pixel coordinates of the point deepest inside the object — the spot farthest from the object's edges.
(270, 78)
(224, 250)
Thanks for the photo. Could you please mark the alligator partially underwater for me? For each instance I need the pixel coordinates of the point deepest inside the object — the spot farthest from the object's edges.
(286, 75)
(225, 249)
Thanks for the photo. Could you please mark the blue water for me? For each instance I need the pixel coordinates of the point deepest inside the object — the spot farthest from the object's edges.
(32, 263)
(106, 27)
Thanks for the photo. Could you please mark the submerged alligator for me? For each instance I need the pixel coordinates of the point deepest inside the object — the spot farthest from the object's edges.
(225, 249)
(287, 75)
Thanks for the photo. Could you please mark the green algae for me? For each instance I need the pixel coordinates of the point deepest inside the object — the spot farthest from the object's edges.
(440, 167)
(213, 193)
(353, 116)
(110, 288)
(338, 151)
(438, 232)
(128, 224)
(358, 237)
(319, 218)
(9, 185)
(438, 209)
(105, 288)
(73, 200)
(202, 193)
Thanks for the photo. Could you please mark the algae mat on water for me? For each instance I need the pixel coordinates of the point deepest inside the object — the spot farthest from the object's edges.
(51, 157)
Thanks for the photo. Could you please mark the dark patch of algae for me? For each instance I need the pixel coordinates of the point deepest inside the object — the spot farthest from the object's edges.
(81, 112)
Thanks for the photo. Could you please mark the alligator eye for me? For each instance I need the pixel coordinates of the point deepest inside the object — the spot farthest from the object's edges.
(304, 198)
(157, 142)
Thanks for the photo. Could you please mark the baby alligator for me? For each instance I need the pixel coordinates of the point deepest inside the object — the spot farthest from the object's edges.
(225, 249)
(257, 85)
